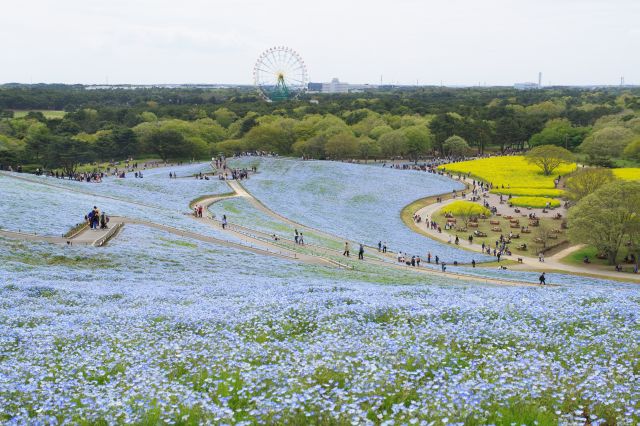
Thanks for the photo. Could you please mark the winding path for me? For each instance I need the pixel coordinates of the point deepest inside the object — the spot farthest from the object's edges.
(260, 242)
(551, 263)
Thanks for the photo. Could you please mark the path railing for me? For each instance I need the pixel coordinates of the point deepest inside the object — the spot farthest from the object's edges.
(110, 234)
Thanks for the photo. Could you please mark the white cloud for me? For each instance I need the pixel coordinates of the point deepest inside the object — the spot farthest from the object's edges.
(458, 41)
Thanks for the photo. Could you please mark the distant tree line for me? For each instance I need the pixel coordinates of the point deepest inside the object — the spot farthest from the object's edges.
(600, 126)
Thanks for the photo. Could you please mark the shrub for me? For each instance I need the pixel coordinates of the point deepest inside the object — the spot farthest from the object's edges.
(458, 208)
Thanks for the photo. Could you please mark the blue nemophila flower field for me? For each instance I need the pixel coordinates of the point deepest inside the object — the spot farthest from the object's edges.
(49, 206)
(154, 328)
(159, 329)
(360, 202)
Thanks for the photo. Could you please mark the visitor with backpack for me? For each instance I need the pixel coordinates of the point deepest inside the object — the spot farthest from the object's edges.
(543, 279)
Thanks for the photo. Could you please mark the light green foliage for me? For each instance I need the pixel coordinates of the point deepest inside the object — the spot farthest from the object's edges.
(419, 140)
(605, 144)
(276, 136)
(197, 136)
(148, 117)
(368, 148)
(378, 131)
(560, 132)
(608, 218)
(632, 150)
(393, 143)
(455, 146)
(342, 146)
(586, 181)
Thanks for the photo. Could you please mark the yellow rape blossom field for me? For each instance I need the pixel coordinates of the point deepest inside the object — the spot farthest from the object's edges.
(458, 208)
(535, 202)
(627, 173)
(510, 171)
(531, 192)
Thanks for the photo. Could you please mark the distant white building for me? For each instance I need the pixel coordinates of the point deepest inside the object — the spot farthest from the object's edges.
(335, 86)
(526, 86)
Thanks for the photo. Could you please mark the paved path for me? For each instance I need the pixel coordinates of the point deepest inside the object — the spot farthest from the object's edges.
(85, 237)
(372, 257)
(262, 243)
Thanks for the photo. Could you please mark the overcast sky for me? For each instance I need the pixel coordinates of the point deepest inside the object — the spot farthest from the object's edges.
(404, 41)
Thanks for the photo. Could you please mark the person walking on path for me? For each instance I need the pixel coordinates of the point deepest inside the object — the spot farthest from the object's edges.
(361, 252)
(543, 279)
(541, 257)
(346, 249)
(384, 247)
(301, 239)
(295, 236)
(224, 221)
(379, 246)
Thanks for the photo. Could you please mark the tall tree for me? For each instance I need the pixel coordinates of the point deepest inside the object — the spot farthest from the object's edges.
(549, 157)
(586, 181)
(607, 218)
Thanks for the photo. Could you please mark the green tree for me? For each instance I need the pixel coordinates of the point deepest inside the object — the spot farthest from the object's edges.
(169, 144)
(67, 154)
(632, 150)
(342, 146)
(230, 147)
(419, 141)
(444, 126)
(549, 157)
(273, 137)
(368, 148)
(607, 218)
(560, 132)
(37, 138)
(455, 146)
(585, 181)
(310, 148)
(605, 144)
(225, 117)
(393, 144)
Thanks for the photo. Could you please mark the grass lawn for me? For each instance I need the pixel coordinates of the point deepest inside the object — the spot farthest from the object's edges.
(577, 257)
(49, 114)
(492, 236)
(84, 168)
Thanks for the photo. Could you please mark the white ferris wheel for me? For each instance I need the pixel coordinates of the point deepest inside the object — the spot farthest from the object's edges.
(280, 74)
